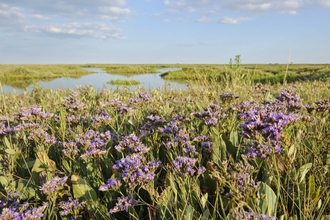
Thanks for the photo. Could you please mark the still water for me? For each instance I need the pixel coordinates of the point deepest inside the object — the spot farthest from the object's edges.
(99, 79)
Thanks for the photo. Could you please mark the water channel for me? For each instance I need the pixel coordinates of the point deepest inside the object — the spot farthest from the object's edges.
(99, 79)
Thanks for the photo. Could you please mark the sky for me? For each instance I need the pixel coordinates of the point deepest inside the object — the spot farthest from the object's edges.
(164, 31)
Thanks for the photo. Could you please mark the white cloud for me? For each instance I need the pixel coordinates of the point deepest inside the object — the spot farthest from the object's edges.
(230, 20)
(115, 10)
(178, 6)
(252, 6)
(39, 17)
(166, 20)
(203, 19)
(11, 17)
(73, 8)
(321, 3)
(80, 30)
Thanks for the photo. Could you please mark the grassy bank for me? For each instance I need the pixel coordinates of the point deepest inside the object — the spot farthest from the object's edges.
(127, 69)
(124, 82)
(21, 76)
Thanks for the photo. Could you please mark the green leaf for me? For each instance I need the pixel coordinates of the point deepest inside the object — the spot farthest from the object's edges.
(10, 151)
(25, 189)
(234, 138)
(206, 215)
(189, 213)
(311, 186)
(82, 190)
(7, 143)
(3, 181)
(204, 200)
(267, 205)
(28, 163)
(303, 170)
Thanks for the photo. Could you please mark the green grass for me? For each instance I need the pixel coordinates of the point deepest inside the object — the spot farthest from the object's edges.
(124, 82)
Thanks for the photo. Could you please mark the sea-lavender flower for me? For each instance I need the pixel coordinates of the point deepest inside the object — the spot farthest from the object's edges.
(263, 121)
(226, 96)
(211, 115)
(53, 185)
(73, 104)
(171, 129)
(71, 207)
(250, 215)
(92, 153)
(152, 123)
(135, 170)
(185, 166)
(290, 99)
(120, 107)
(111, 184)
(207, 146)
(131, 144)
(123, 203)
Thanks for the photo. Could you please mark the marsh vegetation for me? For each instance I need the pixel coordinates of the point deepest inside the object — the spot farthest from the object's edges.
(225, 149)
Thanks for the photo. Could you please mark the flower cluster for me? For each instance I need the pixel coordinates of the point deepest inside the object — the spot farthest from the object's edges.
(72, 207)
(93, 141)
(101, 118)
(242, 174)
(131, 144)
(226, 96)
(42, 136)
(73, 104)
(269, 125)
(32, 113)
(142, 98)
(211, 115)
(53, 185)
(289, 98)
(123, 203)
(151, 125)
(135, 170)
(14, 211)
(321, 106)
(205, 141)
(118, 106)
(250, 215)
(186, 166)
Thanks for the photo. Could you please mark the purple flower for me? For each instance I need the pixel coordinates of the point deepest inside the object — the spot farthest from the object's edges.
(131, 144)
(53, 185)
(135, 170)
(185, 166)
(71, 206)
(111, 184)
(73, 104)
(123, 203)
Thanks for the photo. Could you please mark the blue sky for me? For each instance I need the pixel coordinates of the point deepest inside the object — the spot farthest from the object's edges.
(164, 31)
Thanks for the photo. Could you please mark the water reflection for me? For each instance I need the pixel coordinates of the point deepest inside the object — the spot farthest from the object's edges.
(98, 79)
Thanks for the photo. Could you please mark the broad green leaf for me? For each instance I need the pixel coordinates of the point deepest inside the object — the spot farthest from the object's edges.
(303, 170)
(292, 152)
(28, 163)
(10, 151)
(206, 215)
(234, 138)
(268, 202)
(7, 143)
(25, 189)
(82, 190)
(204, 200)
(3, 181)
(189, 213)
